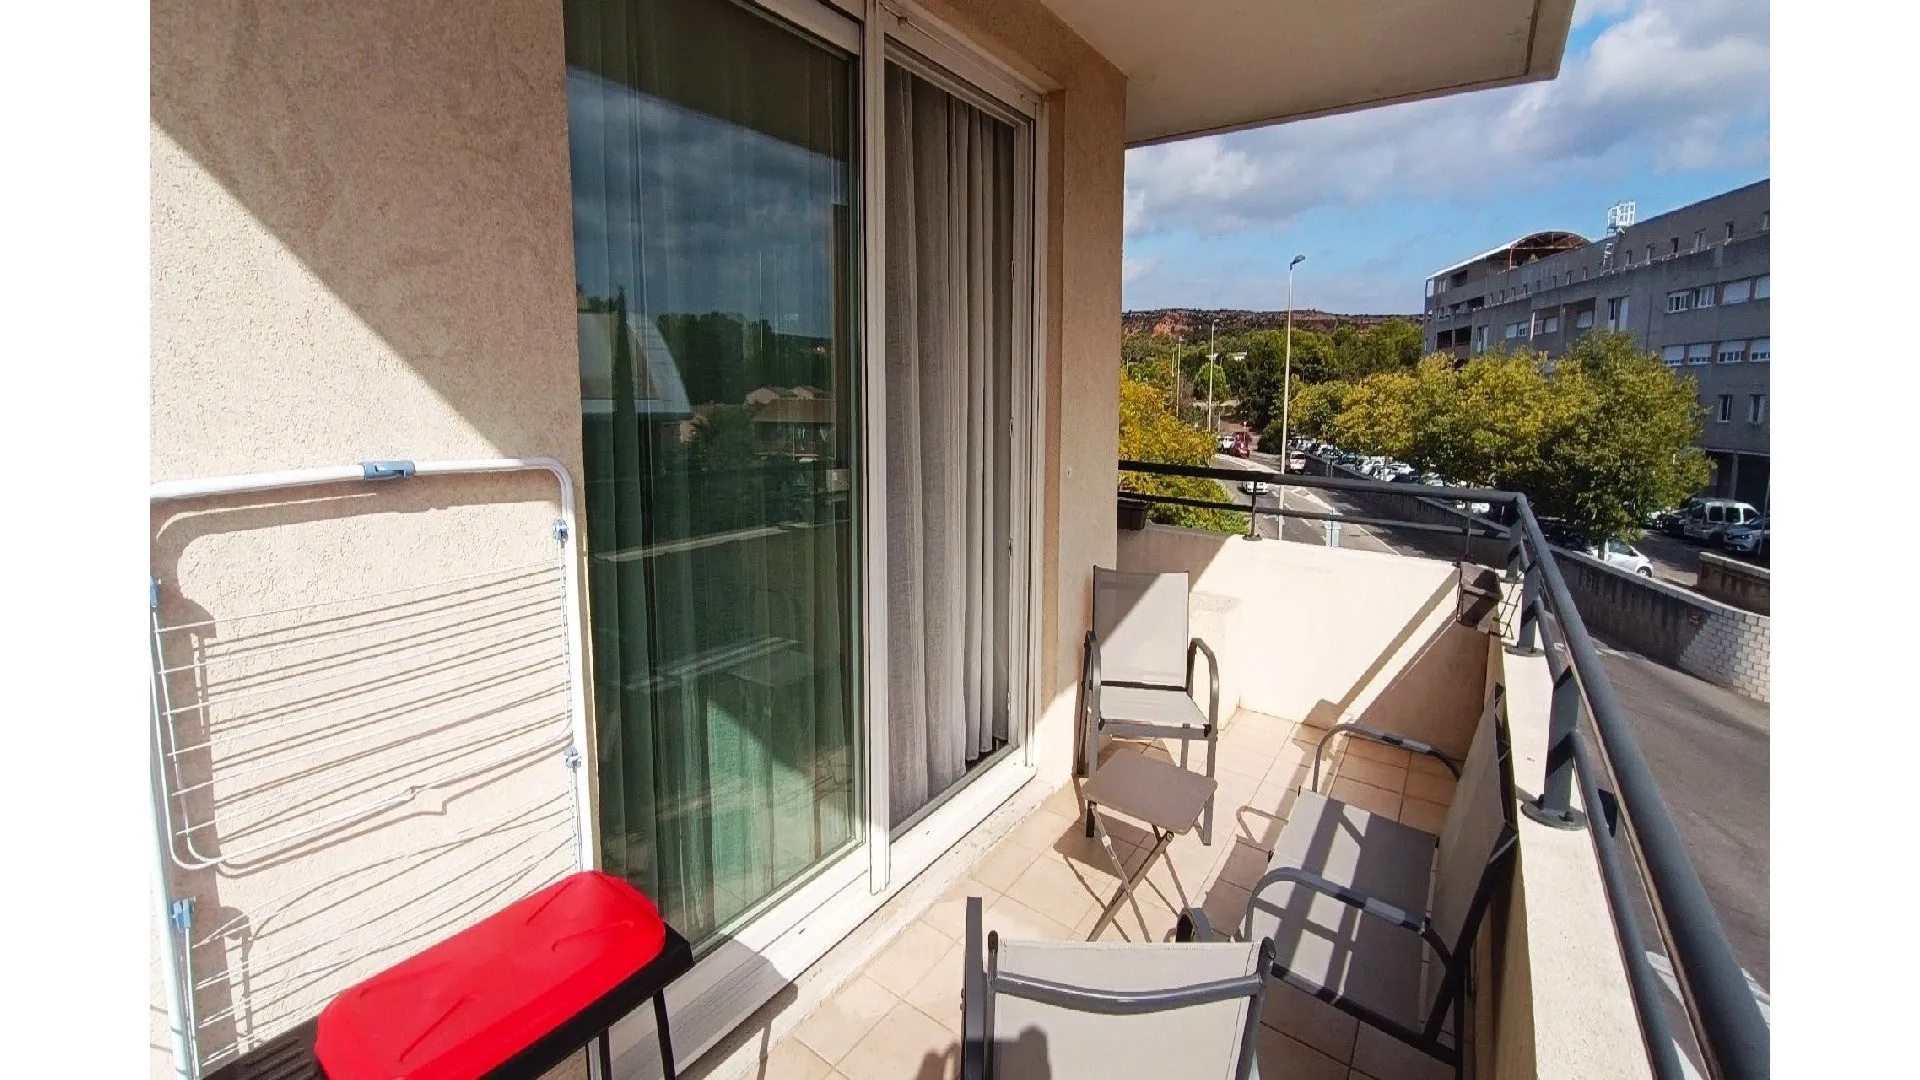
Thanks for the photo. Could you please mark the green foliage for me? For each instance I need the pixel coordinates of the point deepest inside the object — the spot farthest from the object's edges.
(1604, 439)
(1150, 432)
(1314, 408)
(1393, 345)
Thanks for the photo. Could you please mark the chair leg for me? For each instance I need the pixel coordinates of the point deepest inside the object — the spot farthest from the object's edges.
(1124, 893)
(1090, 821)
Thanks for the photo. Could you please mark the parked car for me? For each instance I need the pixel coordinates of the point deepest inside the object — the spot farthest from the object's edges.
(1225, 444)
(1297, 462)
(1623, 555)
(1709, 519)
(1748, 539)
(1672, 522)
(1256, 487)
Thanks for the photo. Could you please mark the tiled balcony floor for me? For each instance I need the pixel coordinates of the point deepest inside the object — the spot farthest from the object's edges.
(900, 1018)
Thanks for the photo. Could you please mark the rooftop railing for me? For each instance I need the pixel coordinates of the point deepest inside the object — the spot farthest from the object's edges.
(1733, 1036)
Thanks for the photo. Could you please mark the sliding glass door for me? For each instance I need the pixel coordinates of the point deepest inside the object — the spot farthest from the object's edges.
(759, 479)
(714, 175)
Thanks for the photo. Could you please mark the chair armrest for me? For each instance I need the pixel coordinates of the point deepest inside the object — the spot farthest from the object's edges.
(1193, 925)
(1367, 905)
(1386, 737)
(1090, 702)
(973, 1000)
(1128, 1002)
(1195, 647)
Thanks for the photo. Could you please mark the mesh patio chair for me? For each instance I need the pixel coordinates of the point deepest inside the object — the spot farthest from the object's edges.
(1345, 901)
(1136, 675)
(1048, 1010)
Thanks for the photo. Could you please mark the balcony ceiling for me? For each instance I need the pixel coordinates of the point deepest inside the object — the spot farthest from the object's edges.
(1198, 67)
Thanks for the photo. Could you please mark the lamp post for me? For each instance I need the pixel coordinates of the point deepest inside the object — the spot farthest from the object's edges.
(1211, 353)
(1286, 384)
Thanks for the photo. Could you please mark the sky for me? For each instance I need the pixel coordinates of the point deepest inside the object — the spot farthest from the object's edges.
(1662, 102)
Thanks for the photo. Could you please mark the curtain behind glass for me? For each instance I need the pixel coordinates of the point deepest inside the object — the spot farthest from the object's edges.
(712, 160)
(949, 326)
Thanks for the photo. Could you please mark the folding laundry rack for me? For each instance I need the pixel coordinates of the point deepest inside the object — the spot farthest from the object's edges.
(350, 764)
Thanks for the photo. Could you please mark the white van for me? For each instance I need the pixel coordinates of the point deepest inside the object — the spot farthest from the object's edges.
(1709, 519)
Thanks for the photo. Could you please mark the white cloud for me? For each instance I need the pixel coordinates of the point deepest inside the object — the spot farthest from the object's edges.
(1675, 84)
(1132, 270)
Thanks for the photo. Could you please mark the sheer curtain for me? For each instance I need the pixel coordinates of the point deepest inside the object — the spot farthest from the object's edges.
(949, 347)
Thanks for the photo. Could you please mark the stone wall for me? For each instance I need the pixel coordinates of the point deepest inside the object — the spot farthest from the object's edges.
(1704, 638)
(1731, 581)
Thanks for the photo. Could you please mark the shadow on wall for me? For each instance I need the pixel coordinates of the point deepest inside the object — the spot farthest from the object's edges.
(422, 178)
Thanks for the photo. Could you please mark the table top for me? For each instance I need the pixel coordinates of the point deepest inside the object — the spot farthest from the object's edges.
(1157, 792)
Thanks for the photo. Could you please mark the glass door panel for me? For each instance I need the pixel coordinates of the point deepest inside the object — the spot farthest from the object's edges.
(714, 160)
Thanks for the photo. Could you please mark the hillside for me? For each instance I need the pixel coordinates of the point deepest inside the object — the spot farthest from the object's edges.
(1191, 323)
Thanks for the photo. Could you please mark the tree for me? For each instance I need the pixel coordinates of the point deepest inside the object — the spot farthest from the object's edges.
(1393, 345)
(1149, 432)
(1601, 440)
(1314, 407)
(1218, 384)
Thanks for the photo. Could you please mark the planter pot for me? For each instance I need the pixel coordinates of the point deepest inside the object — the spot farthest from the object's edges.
(1133, 514)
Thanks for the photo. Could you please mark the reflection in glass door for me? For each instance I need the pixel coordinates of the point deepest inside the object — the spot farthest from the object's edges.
(713, 156)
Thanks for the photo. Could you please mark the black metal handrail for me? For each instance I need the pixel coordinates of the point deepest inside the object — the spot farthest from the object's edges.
(1733, 1035)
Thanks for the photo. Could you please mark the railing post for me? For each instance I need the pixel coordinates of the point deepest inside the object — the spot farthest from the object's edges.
(1527, 641)
(1516, 556)
(1554, 806)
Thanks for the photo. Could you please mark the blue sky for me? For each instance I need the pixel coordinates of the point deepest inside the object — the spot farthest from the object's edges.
(1660, 101)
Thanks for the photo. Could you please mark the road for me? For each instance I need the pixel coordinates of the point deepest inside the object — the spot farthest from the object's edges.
(1359, 537)
(1709, 752)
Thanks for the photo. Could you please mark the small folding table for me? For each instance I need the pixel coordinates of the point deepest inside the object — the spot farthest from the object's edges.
(1165, 797)
(510, 997)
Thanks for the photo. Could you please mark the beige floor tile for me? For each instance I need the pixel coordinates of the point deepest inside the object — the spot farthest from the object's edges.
(1381, 1055)
(1423, 764)
(844, 1019)
(1293, 764)
(1426, 816)
(1437, 789)
(1247, 718)
(1366, 796)
(1065, 801)
(998, 868)
(1260, 828)
(1225, 906)
(1042, 829)
(1243, 866)
(791, 1060)
(1288, 1059)
(1311, 1021)
(1367, 771)
(906, 1045)
(948, 914)
(1054, 889)
(937, 994)
(1153, 921)
(1013, 919)
(1252, 742)
(1373, 751)
(904, 961)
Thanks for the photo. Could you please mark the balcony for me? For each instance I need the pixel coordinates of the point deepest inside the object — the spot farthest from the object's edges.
(1310, 637)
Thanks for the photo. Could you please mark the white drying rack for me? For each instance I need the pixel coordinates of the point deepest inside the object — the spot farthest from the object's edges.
(288, 708)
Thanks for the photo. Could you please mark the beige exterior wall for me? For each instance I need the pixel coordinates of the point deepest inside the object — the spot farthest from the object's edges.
(362, 249)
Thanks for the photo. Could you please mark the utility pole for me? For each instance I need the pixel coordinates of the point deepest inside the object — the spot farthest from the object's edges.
(1286, 385)
(1212, 351)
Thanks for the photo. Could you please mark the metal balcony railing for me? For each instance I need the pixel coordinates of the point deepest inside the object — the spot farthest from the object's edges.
(1733, 1037)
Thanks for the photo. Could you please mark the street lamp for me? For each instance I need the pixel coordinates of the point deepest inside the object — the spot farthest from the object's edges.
(1286, 387)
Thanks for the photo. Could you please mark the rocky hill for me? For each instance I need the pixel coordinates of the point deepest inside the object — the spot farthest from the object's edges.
(1190, 324)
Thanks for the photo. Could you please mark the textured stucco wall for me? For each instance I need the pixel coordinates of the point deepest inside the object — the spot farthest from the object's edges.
(1733, 582)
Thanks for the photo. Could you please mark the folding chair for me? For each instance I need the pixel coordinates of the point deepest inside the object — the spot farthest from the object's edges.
(1137, 673)
(1345, 901)
(1047, 1010)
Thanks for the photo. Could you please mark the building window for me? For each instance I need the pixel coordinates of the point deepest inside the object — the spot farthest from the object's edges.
(1736, 292)
(1629, 256)
(1760, 287)
(1725, 415)
(1650, 252)
(1756, 408)
(1729, 232)
(1759, 350)
(1700, 240)
(1583, 273)
(1673, 355)
(1701, 353)
(1675, 250)
(1616, 313)
(1546, 324)
(1433, 287)
(1763, 219)
(1703, 296)
(1480, 339)
(1679, 301)
(1583, 321)
(1733, 352)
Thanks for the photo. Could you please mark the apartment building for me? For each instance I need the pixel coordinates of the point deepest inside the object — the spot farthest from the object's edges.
(1690, 284)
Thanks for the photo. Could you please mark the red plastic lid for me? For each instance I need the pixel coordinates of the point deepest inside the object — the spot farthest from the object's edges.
(470, 1003)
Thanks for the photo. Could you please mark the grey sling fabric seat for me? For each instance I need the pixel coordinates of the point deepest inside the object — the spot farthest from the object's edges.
(1046, 1010)
(1378, 918)
(1137, 672)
